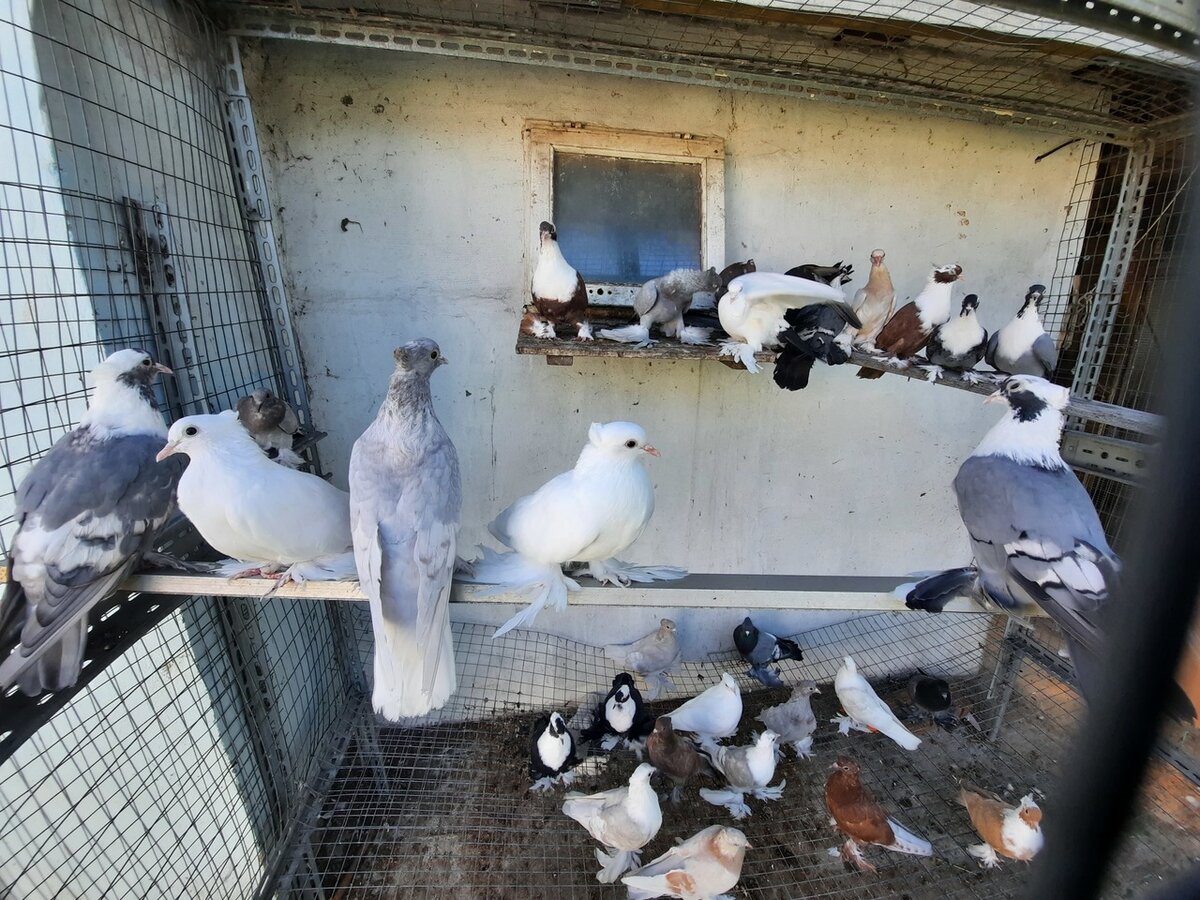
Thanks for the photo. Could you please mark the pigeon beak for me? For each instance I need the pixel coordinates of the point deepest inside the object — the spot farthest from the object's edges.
(442, 361)
(651, 450)
(816, 690)
(161, 369)
(166, 451)
(995, 397)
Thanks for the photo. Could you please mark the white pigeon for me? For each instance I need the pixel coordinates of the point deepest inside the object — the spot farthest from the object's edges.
(269, 519)
(865, 711)
(715, 712)
(794, 721)
(405, 500)
(703, 867)
(624, 820)
(751, 312)
(87, 513)
(748, 770)
(589, 515)
(652, 656)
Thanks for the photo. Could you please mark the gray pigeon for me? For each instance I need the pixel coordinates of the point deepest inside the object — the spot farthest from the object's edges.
(1034, 531)
(794, 720)
(273, 425)
(662, 301)
(405, 500)
(87, 513)
(1022, 347)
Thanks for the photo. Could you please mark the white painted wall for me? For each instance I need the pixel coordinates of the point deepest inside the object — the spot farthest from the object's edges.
(425, 153)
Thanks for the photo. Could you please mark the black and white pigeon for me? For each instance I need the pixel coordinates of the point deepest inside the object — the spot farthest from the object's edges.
(621, 716)
(815, 332)
(823, 274)
(662, 302)
(87, 514)
(957, 344)
(761, 649)
(1034, 531)
(272, 423)
(932, 695)
(552, 753)
(1022, 347)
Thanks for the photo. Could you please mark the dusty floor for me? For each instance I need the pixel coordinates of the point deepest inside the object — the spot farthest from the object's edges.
(443, 810)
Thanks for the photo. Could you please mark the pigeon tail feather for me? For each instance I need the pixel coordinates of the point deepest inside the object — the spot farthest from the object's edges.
(694, 334)
(400, 671)
(899, 734)
(644, 887)
(932, 594)
(615, 864)
(510, 572)
(616, 570)
(907, 842)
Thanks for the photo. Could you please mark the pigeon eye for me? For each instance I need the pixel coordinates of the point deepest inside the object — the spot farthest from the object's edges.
(433, 354)
(191, 431)
(145, 362)
(631, 444)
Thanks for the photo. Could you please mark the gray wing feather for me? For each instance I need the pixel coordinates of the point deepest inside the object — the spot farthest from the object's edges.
(989, 355)
(1046, 353)
(645, 298)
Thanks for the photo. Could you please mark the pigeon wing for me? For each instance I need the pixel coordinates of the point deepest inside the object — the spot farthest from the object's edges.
(1046, 353)
(989, 354)
(646, 298)
(553, 519)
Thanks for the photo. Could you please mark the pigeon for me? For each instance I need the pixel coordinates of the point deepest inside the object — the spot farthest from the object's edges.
(1034, 531)
(823, 274)
(624, 820)
(87, 514)
(620, 716)
(651, 656)
(730, 272)
(703, 867)
(957, 344)
(662, 301)
(908, 331)
(748, 770)
(1022, 347)
(272, 423)
(559, 294)
(271, 521)
(760, 649)
(405, 501)
(862, 820)
(715, 712)
(794, 721)
(933, 696)
(865, 711)
(752, 312)
(674, 756)
(817, 331)
(873, 304)
(552, 753)
(589, 515)
(1014, 832)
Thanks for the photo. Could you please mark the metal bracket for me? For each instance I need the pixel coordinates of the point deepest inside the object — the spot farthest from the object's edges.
(1113, 458)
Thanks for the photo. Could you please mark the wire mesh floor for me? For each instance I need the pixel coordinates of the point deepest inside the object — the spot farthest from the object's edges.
(441, 808)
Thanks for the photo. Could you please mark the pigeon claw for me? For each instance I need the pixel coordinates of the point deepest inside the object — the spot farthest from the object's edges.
(852, 856)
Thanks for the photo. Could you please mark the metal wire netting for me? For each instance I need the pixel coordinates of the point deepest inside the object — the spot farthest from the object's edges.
(440, 807)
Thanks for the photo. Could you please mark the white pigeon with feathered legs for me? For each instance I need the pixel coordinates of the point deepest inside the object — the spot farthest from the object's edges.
(865, 711)
(752, 311)
(747, 770)
(587, 515)
(623, 819)
(715, 712)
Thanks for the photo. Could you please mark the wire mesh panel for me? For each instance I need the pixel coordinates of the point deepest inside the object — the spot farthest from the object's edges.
(441, 808)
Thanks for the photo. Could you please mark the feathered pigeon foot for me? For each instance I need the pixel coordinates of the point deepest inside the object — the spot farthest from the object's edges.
(695, 335)
(542, 329)
(609, 742)
(230, 568)
(616, 863)
(464, 567)
(656, 684)
(971, 377)
(868, 347)
(740, 352)
(732, 799)
(638, 335)
(845, 724)
(156, 560)
(585, 332)
(897, 362)
(769, 793)
(932, 373)
(766, 676)
(677, 795)
(543, 785)
(615, 571)
(803, 748)
(852, 856)
(985, 854)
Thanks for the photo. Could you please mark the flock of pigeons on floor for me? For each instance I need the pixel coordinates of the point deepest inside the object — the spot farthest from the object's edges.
(803, 314)
(626, 818)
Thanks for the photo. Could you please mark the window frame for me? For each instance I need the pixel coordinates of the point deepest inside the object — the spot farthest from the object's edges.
(544, 139)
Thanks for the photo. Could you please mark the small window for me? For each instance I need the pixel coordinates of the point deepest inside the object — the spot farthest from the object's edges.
(628, 206)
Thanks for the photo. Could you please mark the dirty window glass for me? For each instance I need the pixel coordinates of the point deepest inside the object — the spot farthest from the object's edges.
(625, 221)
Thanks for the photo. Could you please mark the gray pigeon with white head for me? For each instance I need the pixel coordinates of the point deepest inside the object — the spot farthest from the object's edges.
(87, 513)
(405, 501)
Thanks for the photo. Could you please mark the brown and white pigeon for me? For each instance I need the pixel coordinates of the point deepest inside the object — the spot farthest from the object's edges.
(273, 425)
(704, 867)
(908, 331)
(862, 820)
(874, 302)
(1014, 832)
(559, 294)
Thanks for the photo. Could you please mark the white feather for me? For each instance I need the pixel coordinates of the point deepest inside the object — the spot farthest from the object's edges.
(863, 705)
(961, 333)
(553, 277)
(907, 842)
(715, 712)
(1016, 338)
(752, 310)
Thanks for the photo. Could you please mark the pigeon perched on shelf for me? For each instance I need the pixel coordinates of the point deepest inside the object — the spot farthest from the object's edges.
(1034, 532)
(651, 656)
(865, 711)
(674, 756)
(862, 820)
(1022, 347)
(958, 344)
(873, 304)
(552, 753)
(623, 819)
(761, 649)
(405, 499)
(715, 712)
(908, 331)
(932, 695)
(747, 770)
(268, 519)
(732, 271)
(1014, 832)
(621, 715)
(752, 312)
(558, 292)
(588, 515)
(662, 301)
(794, 720)
(823, 274)
(87, 514)
(819, 331)
(272, 423)
(703, 867)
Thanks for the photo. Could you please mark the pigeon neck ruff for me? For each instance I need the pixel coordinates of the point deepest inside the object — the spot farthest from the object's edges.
(1018, 335)
(961, 334)
(553, 276)
(120, 407)
(1021, 840)
(1025, 436)
(933, 304)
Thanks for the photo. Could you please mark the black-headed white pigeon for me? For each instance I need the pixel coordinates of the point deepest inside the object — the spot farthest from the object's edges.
(1022, 347)
(87, 513)
(558, 292)
(621, 715)
(957, 344)
(552, 753)
(908, 331)
(761, 649)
